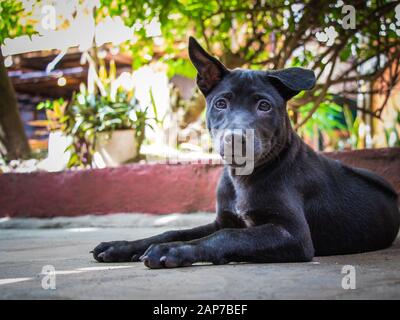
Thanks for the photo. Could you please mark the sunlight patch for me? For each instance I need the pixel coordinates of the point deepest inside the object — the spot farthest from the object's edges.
(13, 280)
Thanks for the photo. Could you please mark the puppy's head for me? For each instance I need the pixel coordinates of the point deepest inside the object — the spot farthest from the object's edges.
(243, 101)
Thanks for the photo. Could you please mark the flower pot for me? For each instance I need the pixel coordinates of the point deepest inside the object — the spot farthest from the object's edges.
(113, 148)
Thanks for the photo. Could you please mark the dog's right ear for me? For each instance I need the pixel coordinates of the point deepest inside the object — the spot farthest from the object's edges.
(210, 70)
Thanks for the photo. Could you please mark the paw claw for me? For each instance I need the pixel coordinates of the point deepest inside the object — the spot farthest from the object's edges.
(146, 262)
(135, 257)
(118, 251)
(163, 261)
(99, 257)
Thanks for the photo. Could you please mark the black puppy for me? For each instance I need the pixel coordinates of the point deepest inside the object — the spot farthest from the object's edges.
(294, 205)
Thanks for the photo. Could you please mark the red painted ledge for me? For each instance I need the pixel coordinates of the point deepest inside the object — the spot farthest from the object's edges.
(148, 188)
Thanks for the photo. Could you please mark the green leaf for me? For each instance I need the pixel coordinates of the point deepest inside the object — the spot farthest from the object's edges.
(345, 53)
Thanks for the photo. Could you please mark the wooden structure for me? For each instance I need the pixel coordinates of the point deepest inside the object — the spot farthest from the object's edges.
(33, 84)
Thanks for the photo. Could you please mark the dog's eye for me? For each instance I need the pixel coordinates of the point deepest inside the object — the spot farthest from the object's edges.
(220, 104)
(264, 105)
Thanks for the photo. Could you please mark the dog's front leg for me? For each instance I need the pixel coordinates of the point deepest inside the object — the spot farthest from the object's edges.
(265, 243)
(125, 251)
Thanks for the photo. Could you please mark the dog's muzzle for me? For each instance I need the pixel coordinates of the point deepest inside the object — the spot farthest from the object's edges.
(234, 147)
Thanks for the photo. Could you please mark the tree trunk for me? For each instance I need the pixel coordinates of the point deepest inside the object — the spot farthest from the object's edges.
(13, 140)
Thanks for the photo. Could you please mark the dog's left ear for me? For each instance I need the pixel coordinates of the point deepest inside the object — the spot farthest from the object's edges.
(292, 80)
(210, 70)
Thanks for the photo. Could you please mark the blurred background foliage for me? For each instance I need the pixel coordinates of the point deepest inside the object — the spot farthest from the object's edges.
(357, 70)
(14, 20)
(276, 34)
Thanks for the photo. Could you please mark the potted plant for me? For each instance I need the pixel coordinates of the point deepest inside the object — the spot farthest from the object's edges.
(104, 122)
(107, 130)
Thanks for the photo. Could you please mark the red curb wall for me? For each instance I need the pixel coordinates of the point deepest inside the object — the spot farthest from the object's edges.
(148, 188)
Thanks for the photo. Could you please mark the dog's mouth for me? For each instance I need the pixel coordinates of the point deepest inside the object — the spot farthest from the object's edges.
(260, 152)
(235, 157)
(235, 154)
(247, 150)
(235, 162)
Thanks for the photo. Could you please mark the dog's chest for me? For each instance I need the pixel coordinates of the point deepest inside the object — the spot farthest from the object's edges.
(242, 207)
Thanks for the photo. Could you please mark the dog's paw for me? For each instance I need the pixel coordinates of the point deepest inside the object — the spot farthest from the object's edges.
(169, 255)
(117, 251)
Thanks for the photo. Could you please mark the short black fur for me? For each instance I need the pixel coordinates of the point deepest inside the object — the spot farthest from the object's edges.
(295, 204)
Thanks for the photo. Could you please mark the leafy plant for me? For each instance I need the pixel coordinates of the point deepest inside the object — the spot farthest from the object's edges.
(353, 127)
(14, 20)
(114, 107)
(55, 112)
(325, 119)
(105, 104)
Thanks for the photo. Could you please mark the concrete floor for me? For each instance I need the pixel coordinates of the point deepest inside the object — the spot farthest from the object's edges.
(28, 245)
